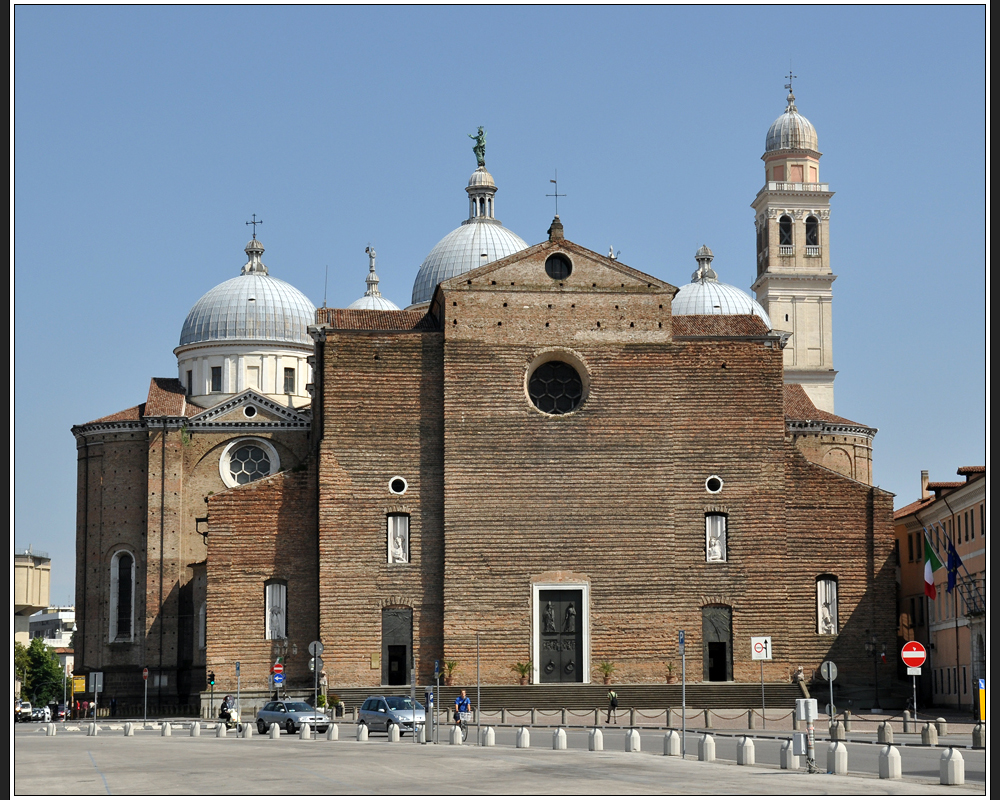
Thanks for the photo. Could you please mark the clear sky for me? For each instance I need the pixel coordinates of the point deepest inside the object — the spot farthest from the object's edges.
(144, 138)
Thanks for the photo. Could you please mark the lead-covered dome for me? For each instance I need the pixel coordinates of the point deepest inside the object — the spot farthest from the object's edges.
(706, 295)
(253, 306)
(372, 299)
(479, 240)
(791, 131)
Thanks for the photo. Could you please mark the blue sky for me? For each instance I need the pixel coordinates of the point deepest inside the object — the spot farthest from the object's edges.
(146, 136)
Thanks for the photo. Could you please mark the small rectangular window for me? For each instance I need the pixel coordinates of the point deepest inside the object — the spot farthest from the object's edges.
(289, 380)
(190, 383)
(276, 610)
(398, 538)
(715, 538)
(909, 545)
(216, 379)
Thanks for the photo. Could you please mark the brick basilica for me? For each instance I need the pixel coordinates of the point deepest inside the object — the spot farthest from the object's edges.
(550, 452)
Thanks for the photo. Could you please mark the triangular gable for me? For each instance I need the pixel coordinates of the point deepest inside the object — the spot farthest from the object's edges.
(269, 414)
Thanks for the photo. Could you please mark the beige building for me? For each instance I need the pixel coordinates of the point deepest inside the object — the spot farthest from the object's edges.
(31, 589)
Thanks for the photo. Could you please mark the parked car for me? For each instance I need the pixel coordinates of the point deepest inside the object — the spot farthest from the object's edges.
(379, 711)
(24, 712)
(290, 716)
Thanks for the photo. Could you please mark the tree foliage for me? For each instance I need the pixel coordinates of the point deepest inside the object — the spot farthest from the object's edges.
(44, 679)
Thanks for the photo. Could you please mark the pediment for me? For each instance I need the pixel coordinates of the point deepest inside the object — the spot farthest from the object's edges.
(251, 409)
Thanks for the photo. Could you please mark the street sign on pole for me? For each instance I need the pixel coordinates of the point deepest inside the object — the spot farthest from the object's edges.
(315, 648)
(279, 678)
(145, 673)
(828, 670)
(277, 669)
(914, 654)
(760, 648)
(680, 645)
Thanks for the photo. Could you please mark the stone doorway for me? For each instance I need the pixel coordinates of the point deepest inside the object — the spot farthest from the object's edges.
(717, 635)
(397, 645)
(560, 632)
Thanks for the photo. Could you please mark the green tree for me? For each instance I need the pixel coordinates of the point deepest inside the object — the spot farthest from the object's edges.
(21, 661)
(45, 675)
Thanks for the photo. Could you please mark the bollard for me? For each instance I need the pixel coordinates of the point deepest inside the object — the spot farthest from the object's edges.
(929, 734)
(706, 748)
(165, 729)
(595, 740)
(392, 732)
(456, 735)
(786, 756)
(195, 729)
(837, 731)
(669, 714)
(354, 714)
(503, 716)
(942, 726)
(333, 732)
(129, 729)
(671, 744)
(220, 730)
(597, 717)
(750, 720)
(908, 723)
(532, 716)
(362, 732)
(50, 729)
(979, 736)
(836, 759)
(558, 739)
(889, 765)
(745, 752)
(244, 731)
(488, 738)
(708, 718)
(274, 731)
(847, 721)
(92, 729)
(632, 742)
(523, 737)
(563, 717)
(421, 734)
(952, 768)
(885, 733)
(631, 717)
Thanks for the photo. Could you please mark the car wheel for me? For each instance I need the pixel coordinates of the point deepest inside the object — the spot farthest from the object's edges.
(289, 726)
(261, 727)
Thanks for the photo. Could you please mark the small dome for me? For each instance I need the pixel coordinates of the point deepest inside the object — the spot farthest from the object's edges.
(372, 298)
(252, 306)
(791, 131)
(481, 178)
(705, 295)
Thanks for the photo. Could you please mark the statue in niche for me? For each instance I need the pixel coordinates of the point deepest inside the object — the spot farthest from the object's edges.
(549, 619)
(480, 147)
(569, 625)
(277, 616)
(399, 555)
(826, 620)
(715, 550)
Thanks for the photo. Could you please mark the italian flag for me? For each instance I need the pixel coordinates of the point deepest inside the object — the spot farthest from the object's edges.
(931, 563)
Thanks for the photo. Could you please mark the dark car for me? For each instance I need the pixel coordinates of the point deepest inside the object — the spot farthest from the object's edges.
(290, 716)
(381, 710)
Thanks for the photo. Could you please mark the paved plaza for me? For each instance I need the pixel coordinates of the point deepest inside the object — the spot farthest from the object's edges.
(147, 763)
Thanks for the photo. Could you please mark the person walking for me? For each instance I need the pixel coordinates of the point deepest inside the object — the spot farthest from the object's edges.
(612, 706)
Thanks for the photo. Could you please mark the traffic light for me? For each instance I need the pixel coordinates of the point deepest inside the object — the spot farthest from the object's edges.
(211, 679)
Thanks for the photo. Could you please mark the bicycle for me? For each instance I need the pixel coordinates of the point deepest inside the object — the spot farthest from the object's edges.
(464, 718)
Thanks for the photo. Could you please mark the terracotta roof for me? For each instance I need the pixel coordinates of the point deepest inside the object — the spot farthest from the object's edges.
(719, 325)
(798, 406)
(916, 505)
(971, 470)
(133, 414)
(366, 319)
(166, 398)
(938, 485)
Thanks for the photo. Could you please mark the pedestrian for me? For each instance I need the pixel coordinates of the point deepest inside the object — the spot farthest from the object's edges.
(612, 706)
(114, 706)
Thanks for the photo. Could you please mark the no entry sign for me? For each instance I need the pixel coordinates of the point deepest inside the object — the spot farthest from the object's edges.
(277, 669)
(914, 654)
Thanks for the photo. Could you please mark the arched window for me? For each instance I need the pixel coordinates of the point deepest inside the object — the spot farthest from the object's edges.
(785, 231)
(827, 621)
(276, 610)
(122, 597)
(812, 232)
(715, 537)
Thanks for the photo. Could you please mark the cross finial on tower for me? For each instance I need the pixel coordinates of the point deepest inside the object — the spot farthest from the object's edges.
(790, 79)
(255, 222)
(556, 194)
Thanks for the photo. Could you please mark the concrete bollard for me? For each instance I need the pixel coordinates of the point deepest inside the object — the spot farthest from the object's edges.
(952, 768)
(633, 744)
(837, 731)
(597, 717)
(708, 718)
(909, 726)
(929, 734)
(333, 732)
(885, 733)
(836, 758)
(305, 732)
(195, 729)
(92, 729)
(220, 730)
(421, 734)
(456, 735)
(745, 752)
(889, 764)
(595, 740)
(362, 734)
(488, 738)
(706, 748)
(979, 735)
(503, 716)
(245, 731)
(392, 732)
(672, 744)
(942, 726)
(532, 716)
(847, 721)
(751, 723)
(165, 729)
(274, 732)
(523, 737)
(563, 716)
(129, 729)
(669, 715)
(50, 729)
(558, 739)
(786, 756)
(631, 717)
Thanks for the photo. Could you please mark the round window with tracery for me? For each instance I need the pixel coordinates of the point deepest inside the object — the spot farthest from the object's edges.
(555, 387)
(246, 461)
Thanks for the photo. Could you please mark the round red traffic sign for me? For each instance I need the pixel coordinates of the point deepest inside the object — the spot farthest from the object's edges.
(277, 669)
(914, 654)
(145, 673)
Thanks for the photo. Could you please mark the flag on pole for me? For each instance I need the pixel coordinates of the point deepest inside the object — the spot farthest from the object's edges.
(931, 563)
(954, 562)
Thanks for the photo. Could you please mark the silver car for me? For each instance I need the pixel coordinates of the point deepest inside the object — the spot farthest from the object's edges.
(290, 716)
(381, 710)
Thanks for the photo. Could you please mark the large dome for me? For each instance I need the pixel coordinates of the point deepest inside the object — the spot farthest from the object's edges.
(791, 131)
(705, 295)
(479, 240)
(253, 306)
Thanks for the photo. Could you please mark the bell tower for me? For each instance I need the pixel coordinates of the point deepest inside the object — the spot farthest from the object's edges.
(794, 282)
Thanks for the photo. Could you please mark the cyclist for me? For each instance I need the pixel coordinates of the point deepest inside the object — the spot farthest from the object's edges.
(462, 706)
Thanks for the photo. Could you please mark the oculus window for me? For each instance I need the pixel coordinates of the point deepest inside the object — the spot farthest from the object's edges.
(246, 460)
(555, 387)
(558, 267)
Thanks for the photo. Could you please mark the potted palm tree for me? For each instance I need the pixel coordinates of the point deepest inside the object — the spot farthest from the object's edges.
(523, 671)
(449, 669)
(607, 669)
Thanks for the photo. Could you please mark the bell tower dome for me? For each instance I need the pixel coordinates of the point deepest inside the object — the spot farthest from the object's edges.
(794, 281)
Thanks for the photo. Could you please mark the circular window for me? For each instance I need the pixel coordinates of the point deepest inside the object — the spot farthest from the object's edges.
(397, 485)
(713, 484)
(247, 460)
(250, 411)
(558, 266)
(555, 387)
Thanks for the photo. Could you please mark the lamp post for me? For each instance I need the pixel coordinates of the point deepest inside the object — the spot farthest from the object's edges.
(875, 651)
